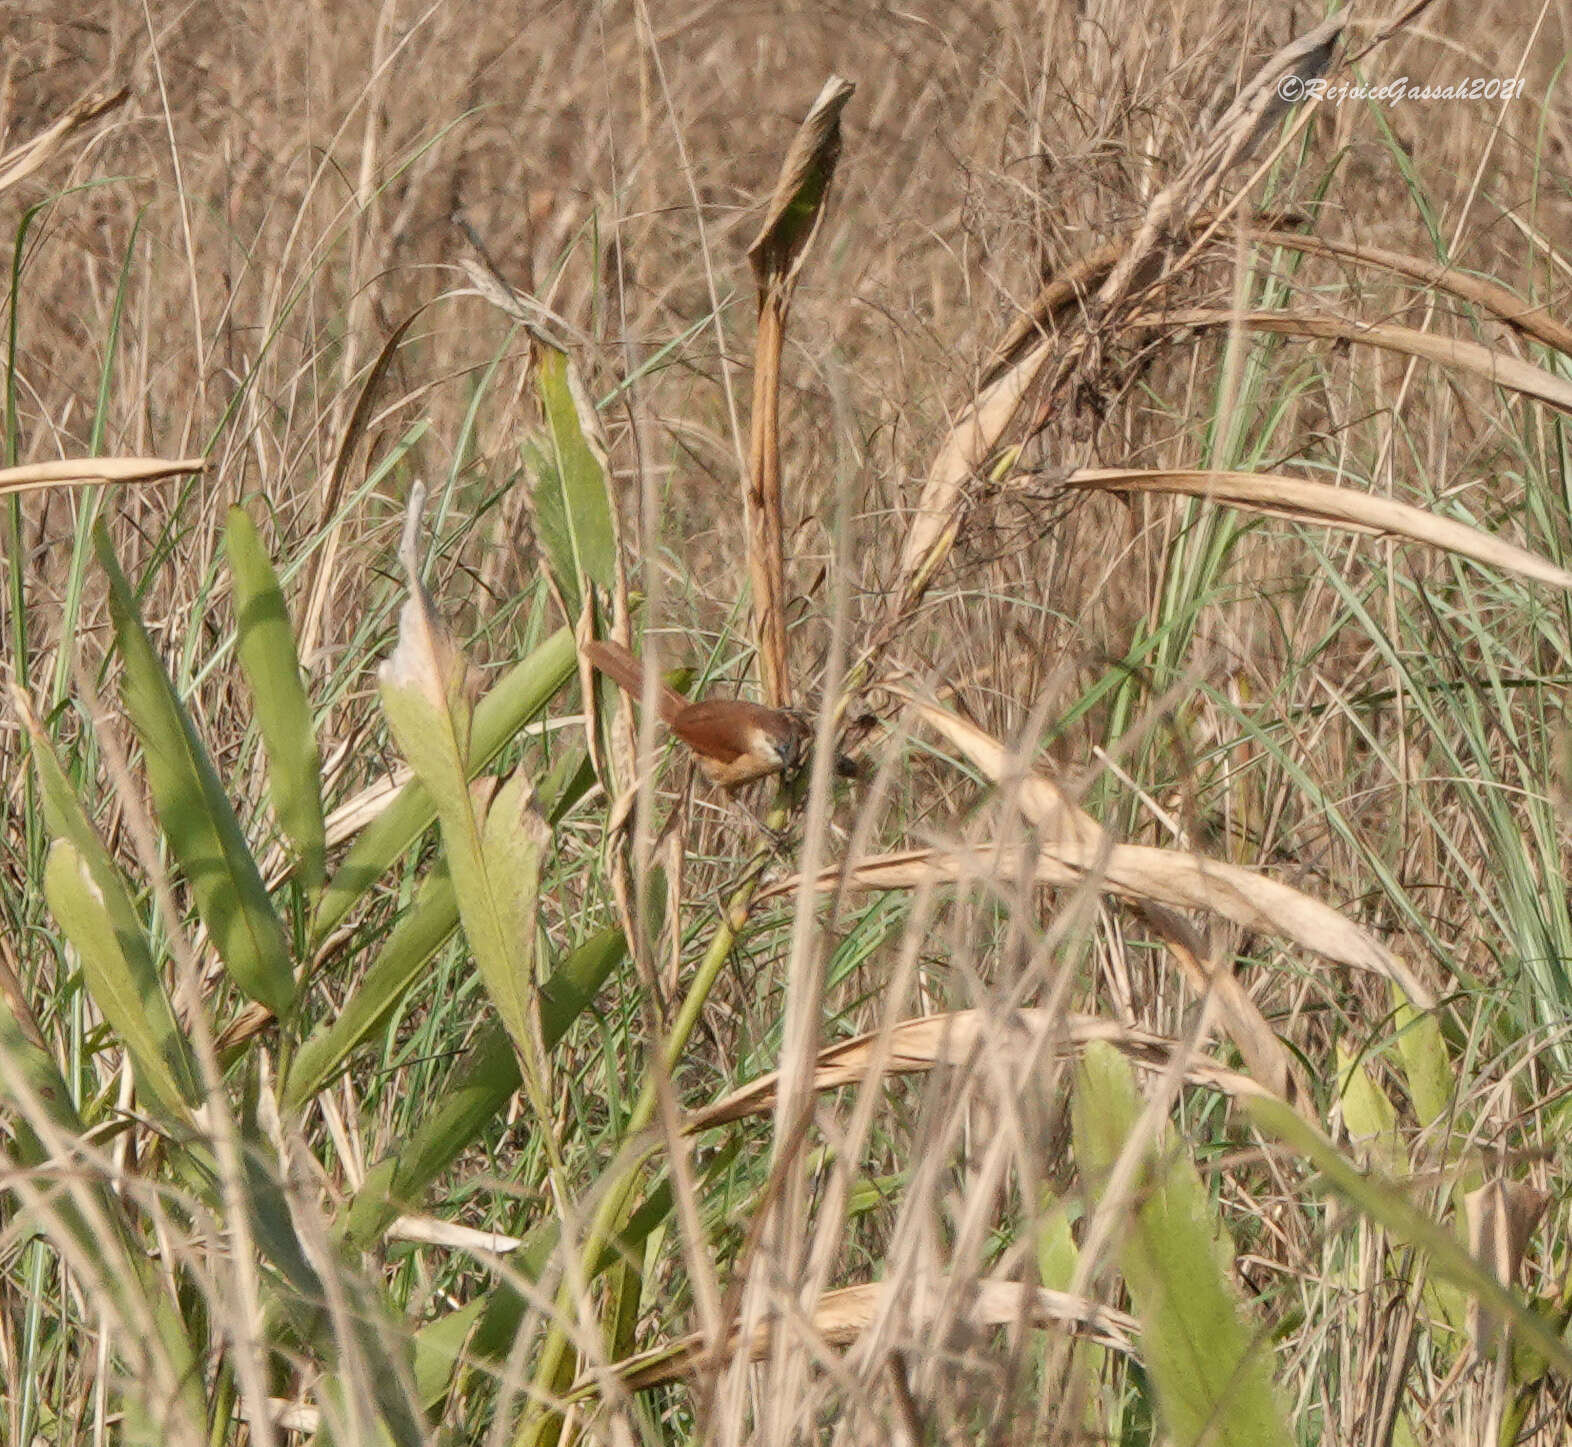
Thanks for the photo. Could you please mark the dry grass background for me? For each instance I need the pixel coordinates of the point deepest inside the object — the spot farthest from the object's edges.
(279, 191)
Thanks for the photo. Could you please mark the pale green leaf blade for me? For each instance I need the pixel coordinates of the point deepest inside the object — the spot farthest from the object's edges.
(420, 932)
(195, 814)
(572, 505)
(517, 698)
(265, 648)
(122, 981)
(1211, 1369)
(1427, 1065)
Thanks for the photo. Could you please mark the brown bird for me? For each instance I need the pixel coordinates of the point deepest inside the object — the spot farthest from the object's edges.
(734, 741)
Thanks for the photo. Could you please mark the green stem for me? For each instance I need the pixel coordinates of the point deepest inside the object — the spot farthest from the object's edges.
(554, 1370)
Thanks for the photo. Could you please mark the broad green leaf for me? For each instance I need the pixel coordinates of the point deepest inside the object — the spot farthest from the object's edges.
(518, 697)
(482, 1085)
(1390, 1207)
(1427, 1068)
(420, 932)
(121, 977)
(197, 818)
(1211, 1369)
(425, 689)
(441, 1347)
(33, 1089)
(573, 512)
(1368, 1116)
(266, 650)
(493, 846)
(122, 980)
(504, 895)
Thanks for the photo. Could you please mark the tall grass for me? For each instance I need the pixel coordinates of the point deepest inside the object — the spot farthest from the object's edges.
(1161, 1040)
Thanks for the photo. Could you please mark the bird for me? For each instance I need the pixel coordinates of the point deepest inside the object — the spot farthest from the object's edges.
(734, 741)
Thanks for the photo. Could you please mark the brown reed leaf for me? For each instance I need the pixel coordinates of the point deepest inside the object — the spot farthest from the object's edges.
(777, 253)
(1327, 505)
(1501, 301)
(936, 520)
(1502, 1216)
(840, 1317)
(1138, 872)
(932, 1041)
(21, 161)
(1057, 817)
(1497, 368)
(85, 471)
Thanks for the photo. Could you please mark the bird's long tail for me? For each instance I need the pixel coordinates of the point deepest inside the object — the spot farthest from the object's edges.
(628, 673)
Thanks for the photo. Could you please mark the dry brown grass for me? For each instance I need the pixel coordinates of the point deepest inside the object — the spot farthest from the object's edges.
(284, 183)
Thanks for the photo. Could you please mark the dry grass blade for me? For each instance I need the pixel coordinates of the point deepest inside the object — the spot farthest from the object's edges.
(84, 472)
(970, 441)
(1323, 504)
(954, 1039)
(542, 324)
(1494, 367)
(21, 161)
(1502, 1217)
(1501, 301)
(982, 425)
(1235, 134)
(1137, 872)
(1074, 286)
(841, 1317)
(324, 568)
(1042, 800)
(1056, 816)
(796, 209)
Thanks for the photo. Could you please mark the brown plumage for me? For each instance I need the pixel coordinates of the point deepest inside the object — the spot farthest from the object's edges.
(734, 741)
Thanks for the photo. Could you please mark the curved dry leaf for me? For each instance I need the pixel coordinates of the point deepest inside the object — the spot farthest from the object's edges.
(1326, 505)
(797, 203)
(1536, 321)
(930, 1041)
(21, 161)
(81, 472)
(1229, 139)
(840, 1317)
(1140, 872)
(1077, 852)
(1491, 366)
(1044, 802)
(964, 450)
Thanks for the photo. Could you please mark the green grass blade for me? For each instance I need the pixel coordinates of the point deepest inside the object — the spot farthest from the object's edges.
(573, 517)
(1211, 1371)
(117, 963)
(121, 979)
(266, 650)
(482, 1085)
(521, 694)
(196, 816)
(420, 932)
